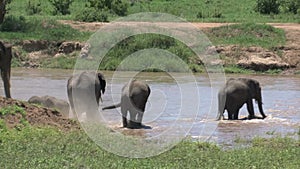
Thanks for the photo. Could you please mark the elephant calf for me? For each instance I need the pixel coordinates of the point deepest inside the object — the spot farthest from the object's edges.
(84, 92)
(235, 94)
(133, 100)
(52, 102)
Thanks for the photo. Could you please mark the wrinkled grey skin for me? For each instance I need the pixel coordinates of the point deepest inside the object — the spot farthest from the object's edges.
(51, 102)
(235, 94)
(5, 63)
(87, 88)
(133, 100)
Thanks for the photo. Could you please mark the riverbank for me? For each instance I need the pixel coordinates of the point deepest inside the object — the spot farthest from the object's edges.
(242, 48)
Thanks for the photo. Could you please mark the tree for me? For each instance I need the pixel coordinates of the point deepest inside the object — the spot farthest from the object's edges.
(3, 9)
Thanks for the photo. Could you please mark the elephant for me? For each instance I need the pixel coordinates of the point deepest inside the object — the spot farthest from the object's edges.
(51, 102)
(5, 64)
(84, 92)
(133, 100)
(235, 94)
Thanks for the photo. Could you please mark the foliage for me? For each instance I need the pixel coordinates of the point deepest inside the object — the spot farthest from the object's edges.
(119, 7)
(267, 6)
(96, 10)
(33, 7)
(14, 24)
(92, 14)
(290, 6)
(61, 6)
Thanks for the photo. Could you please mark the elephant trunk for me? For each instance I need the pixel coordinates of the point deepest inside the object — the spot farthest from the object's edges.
(259, 102)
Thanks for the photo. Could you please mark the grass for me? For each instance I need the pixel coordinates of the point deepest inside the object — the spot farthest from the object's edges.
(206, 10)
(34, 147)
(248, 34)
(20, 28)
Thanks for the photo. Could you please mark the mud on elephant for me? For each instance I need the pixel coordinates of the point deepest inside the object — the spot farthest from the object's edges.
(133, 100)
(235, 94)
(5, 64)
(84, 93)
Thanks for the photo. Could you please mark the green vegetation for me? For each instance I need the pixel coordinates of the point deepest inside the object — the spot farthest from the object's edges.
(33, 147)
(13, 110)
(248, 34)
(19, 28)
(207, 10)
(38, 21)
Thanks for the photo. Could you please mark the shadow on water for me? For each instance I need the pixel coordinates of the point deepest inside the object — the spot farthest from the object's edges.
(281, 98)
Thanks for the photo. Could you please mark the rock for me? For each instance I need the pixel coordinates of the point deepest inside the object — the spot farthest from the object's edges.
(69, 47)
(255, 62)
(84, 53)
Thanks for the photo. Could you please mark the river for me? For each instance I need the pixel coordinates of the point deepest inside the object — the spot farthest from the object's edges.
(168, 107)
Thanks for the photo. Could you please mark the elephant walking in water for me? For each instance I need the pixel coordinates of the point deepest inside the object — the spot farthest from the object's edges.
(133, 100)
(235, 94)
(84, 92)
(5, 63)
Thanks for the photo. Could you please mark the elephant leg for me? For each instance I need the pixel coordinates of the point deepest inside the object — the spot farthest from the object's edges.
(250, 109)
(5, 74)
(133, 123)
(233, 113)
(140, 118)
(124, 116)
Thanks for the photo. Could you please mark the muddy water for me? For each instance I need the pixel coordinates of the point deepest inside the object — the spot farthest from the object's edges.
(166, 111)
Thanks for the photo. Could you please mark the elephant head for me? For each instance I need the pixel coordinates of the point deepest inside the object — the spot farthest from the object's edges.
(255, 91)
(5, 63)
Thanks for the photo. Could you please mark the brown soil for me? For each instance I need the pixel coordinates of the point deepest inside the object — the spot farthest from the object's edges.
(36, 116)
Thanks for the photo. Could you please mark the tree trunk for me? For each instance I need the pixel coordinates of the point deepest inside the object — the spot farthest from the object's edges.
(2, 10)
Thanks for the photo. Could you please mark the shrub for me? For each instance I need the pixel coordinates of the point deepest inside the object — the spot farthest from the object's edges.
(91, 15)
(33, 7)
(290, 6)
(14, 24)
(61, 6)
(267, 6)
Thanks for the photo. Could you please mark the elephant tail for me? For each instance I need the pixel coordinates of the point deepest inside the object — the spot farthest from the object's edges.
(112, 106)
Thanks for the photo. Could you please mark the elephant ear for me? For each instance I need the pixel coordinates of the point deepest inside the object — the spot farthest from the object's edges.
(102, 82)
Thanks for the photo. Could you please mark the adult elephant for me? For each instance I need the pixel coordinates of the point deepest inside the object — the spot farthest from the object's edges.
(51, 102)
(235, 94)
(5, 63)
(84, 93)
(133, 100)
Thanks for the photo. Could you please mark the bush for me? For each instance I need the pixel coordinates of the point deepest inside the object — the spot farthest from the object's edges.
(14, 24)
(92, 15)
(118, 7)
(33, 7)
(267, 6)
(61, 6)
(290, 6)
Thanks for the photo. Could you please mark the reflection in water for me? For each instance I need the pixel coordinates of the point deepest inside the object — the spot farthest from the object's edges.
(281, 98)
